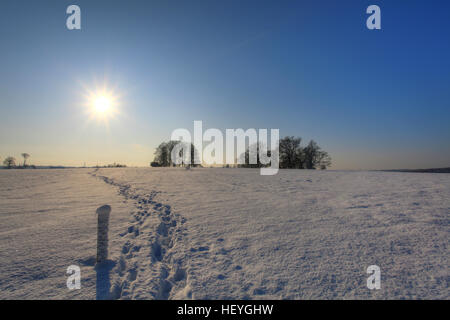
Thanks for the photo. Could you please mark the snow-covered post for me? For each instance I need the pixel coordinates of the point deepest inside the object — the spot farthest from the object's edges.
(102, 232)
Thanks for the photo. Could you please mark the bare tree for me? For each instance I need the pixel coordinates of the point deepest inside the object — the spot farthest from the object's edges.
(25, 157)
(253, 149)
(291, 154)
(163, 154)
(315, 157)
(311, 152)
(323, 160)
(9, 162)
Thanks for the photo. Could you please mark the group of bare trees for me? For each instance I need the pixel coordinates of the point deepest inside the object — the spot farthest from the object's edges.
(163, 155)
(292, 155)
(10, 162)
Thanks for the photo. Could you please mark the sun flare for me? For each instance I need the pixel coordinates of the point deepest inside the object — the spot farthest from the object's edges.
(102, 104)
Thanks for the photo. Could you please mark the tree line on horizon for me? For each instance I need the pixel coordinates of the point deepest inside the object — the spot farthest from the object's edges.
(292, 155)
(10, 162)
(163, 155)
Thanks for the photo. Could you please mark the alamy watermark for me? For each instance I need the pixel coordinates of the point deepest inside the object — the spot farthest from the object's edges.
(374, 20)
(240, 147)
(73, 22)
(374, 280)
(74, 280)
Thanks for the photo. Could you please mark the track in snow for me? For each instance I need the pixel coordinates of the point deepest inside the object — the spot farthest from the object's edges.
(146, 268)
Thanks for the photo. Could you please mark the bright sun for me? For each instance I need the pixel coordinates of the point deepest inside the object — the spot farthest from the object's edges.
(102, 104)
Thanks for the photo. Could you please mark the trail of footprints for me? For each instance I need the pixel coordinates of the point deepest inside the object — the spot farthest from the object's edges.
(148, 271)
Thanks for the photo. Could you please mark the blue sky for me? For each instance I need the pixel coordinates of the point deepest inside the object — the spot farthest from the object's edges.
(373, 98)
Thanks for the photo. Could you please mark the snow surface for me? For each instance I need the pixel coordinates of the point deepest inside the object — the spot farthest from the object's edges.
(225, 234)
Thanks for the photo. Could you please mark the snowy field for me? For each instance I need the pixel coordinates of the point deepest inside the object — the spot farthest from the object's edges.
(225, 234)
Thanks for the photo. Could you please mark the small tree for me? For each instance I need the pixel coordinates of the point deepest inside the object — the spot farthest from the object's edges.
(255, 150)
(163, 154)
(315, 157)
(324, 160)
(25, 157)
(9, 162)
(311, 151)
(291, 153)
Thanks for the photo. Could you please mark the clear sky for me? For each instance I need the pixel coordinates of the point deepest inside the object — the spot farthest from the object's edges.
(372, 98)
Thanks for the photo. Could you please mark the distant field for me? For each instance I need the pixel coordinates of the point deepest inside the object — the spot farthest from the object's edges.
(225, 234)
(434, 170)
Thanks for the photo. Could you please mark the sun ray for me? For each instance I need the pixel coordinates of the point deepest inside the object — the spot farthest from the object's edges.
(101, 104)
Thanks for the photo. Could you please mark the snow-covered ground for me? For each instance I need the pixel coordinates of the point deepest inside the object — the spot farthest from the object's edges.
(225, 234)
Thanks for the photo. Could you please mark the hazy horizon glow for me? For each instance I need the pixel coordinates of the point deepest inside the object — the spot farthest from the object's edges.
(137, 70)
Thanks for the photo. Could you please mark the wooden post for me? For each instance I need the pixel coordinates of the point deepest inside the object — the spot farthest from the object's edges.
(102, 232)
